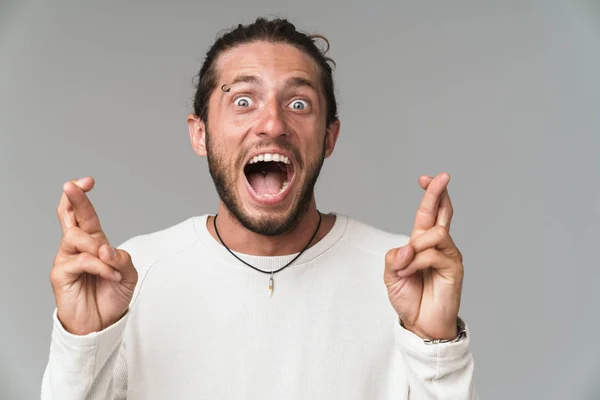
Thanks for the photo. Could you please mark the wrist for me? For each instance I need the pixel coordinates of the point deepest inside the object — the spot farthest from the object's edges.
(451, 334)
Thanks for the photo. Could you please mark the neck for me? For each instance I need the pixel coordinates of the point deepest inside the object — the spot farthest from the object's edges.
(240, 239)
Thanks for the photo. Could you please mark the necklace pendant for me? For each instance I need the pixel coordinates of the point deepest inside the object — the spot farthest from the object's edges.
(271, 285)
(271, 281)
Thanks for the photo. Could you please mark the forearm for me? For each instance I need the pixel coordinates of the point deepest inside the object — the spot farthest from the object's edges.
(82, 367)
(436, 371)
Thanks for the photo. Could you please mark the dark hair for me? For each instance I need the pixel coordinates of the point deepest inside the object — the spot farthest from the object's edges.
(276, 31)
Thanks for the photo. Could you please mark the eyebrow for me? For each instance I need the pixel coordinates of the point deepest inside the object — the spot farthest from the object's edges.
(245, 79)
(293, 82)
(300, 82)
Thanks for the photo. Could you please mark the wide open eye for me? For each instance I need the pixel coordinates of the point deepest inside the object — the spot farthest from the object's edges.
(299, 105)
(243, 102)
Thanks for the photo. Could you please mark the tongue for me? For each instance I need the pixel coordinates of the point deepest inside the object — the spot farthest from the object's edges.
(269, 183)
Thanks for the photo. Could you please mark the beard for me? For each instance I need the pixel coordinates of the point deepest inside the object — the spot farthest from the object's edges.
(225, 184)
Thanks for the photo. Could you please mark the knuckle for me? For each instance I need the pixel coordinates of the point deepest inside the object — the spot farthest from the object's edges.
(428, 256)
(126, 258)
(71, 234)
(423, 210)
(60, 204)
(54, 275)
(59, 258)
(85, 259)
(431, 254)
(441, 231)
(389, 256)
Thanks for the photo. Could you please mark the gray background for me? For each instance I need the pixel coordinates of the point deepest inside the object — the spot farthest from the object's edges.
(503, 95)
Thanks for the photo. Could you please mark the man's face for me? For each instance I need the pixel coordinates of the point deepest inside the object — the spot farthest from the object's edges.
(266, 137)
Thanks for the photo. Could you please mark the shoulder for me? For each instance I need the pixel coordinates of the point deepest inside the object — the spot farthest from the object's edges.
(370, 239)
(146, 249)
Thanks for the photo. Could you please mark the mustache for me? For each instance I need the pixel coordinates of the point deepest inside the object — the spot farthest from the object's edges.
(280, 142)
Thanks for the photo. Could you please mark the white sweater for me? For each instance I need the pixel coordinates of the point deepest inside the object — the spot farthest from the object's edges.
(201, 325)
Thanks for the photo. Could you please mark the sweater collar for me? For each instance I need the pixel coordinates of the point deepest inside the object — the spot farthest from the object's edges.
(268, 263)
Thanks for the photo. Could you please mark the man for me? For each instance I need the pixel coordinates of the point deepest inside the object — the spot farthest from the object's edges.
(269, 298)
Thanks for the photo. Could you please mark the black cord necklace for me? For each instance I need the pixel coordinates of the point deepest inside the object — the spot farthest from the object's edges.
(271, 281)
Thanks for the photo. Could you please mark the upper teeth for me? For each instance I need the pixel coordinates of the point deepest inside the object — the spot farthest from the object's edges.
(270, 157)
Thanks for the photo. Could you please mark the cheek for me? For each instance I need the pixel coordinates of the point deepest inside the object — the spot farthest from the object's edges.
(230, 133)
(307, 127)
(310, 135)
(240, 119)
(234, 131)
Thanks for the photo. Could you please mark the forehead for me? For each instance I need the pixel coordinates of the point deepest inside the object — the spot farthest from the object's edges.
(272, 62)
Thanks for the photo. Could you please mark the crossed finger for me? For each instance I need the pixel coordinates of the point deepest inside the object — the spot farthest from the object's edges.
(436, 207)
(430, 258)
(445, 210)
(75, 208)
(76, 240)
(439, 239)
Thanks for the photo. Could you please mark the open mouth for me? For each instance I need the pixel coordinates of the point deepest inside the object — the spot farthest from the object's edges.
(269, 175)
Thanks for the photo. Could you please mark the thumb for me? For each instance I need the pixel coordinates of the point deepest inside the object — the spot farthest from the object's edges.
(397, 259)
(120, 260)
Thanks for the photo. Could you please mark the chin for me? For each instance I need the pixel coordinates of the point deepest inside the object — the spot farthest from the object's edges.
(272, 217)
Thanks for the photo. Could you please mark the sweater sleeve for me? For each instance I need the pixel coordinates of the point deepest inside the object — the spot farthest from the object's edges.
(436, 371)
(91, 367)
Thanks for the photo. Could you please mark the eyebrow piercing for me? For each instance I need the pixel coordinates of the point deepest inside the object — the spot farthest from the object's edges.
(225, 88)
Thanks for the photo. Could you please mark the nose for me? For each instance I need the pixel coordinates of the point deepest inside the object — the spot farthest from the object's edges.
(272, 121)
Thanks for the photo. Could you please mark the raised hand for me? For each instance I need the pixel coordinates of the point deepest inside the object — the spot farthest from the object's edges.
(93, 282)
(424, 278)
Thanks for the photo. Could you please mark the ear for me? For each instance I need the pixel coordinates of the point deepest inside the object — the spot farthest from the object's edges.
(331, 137)
(197, 130)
